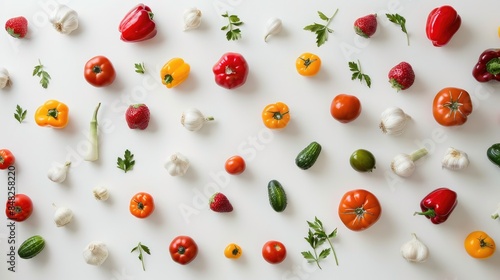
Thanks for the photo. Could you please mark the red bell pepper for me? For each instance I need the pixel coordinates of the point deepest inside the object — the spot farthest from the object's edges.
(488, 66)
(442, 23)
(231, 70)
(138, 24)
(438, 205)
(6, 159)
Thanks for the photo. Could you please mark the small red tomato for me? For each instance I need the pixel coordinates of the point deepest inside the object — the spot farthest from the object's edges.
(6, 159)
(345, 108)
(274, 252)
(235, 165)
(183, 249)
(18, 207)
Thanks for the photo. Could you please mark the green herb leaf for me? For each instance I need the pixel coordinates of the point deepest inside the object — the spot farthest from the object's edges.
(401, 21)
(40, 72)
(20, 114)
(308, 256)
(127, 163)
(316, 239)
(233, 33)
(321, 30)
(139, 68)
(357, 73)
(141, 247)
(324, 253)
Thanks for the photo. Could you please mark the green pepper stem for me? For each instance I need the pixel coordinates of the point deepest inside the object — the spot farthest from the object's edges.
(493, 66)
(429, 213)
(418, 154)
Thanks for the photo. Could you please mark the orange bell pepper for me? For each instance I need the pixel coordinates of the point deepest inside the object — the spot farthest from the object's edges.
(276, 115)
(174, 72)
(52, 114)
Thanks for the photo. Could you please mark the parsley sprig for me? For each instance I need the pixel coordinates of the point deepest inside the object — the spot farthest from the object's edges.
(357, 73)
(127, 162)
(233, 33)
(20, 114)
(401, 21)
(141, 247)
(321, 30)
(44, 75)
(140, 68)
(316, 236)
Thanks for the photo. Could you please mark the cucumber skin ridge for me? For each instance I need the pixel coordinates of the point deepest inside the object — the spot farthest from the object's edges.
(277, 196)
(31, 247)
(308, 156)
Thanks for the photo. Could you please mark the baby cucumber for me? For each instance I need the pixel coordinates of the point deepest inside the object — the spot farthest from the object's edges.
(31, 247)
(308, 156)
(277, 196)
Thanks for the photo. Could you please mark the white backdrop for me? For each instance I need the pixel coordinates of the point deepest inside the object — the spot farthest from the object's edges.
(182, 202)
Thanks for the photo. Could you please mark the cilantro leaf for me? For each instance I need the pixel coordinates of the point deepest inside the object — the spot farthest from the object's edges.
(233, 33)
(44, 75)
(357, 73)
(127, 163)
(401, 21)
(20, 114)
(139, 68)
(141, 247)
(321, 30)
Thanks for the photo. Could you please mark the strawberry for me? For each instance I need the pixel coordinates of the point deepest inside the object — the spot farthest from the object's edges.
(401, 76)
(219, 203)
(17, 27)
(137, 116)
(366, 26)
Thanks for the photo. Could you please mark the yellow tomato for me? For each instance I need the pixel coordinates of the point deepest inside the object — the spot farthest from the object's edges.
(479, 245)
(233, 251)
(308, 64)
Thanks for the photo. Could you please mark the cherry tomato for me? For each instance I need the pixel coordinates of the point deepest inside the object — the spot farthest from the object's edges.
(18, 207)
(233, 251)
(6, 159)
(235, 165)
(451, 106)
(345, 108)
(142, 205)
(479, 245)
(274, 252)
(308, 64)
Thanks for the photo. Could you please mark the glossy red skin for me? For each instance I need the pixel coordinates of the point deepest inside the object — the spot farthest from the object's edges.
(235, 165)
(345, 108)
(442, 23)
(99, 71)
(138, 25)
(6, 159)
(19, 208)
(274, 252)
(231, 70)
(366, 26)
(401, 76)
(441, 202)
(183, 249)
(480, 71)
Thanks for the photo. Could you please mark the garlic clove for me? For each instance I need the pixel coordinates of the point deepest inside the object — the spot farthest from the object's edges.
(273, 27)
(64, 19)
(100, 193)
(414, 250)
(192, 18)
(95, 253)
(455, 159)
(393, 121)
(4, 78)
(177, 164)
(193, 120)
(57, 173)
(62, 216)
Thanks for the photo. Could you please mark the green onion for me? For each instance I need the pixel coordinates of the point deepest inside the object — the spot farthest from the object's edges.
(93, 153)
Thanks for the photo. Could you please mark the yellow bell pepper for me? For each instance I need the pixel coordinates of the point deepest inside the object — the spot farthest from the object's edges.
(52, 114)
(276, 115)
(174, 72)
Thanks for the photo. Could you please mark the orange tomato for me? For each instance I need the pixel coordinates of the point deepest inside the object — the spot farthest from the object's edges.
(276, 115)
(235, 165)
(451, 106)
(233, 251)
(308, 64)
(479, 245)
(345, 108)
(359, 209)
(142, 205)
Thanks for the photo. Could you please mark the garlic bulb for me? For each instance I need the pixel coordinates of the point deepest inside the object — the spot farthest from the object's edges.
(177, 164)
(100, 193)
(57, 173)
(95, 253)
(192, 119)
(455, 159)
(64, 19)
(62, 216)
(4, 77)
(273, 27)
(414, 250)
(192, 18)
(404, 164)
(393, 121)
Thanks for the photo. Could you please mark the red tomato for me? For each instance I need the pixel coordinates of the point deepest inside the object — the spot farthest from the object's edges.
(345, 108)
(274, 252)
(451, 106)
(6, 159)
(183, 249)
(235, 165)
(19, 207)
